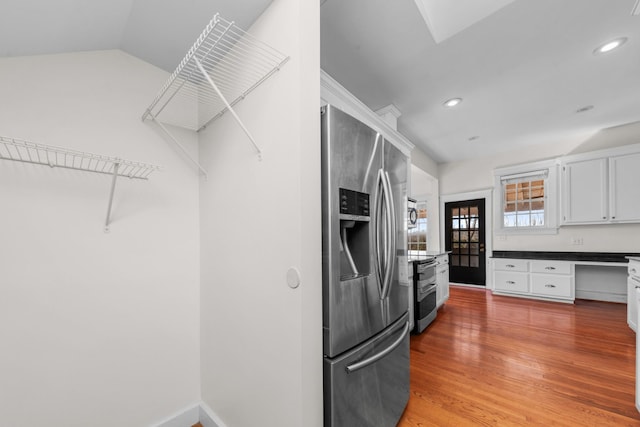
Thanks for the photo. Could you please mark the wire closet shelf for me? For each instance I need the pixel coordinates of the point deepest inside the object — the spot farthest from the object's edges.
(48, 155)
(57, 157)
(221, 68)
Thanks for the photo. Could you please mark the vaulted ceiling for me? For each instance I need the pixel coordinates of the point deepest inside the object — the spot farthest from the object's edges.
(525, 69)
(157, 31)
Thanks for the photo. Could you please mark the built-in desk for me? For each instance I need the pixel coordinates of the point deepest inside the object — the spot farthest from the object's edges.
(598, 276)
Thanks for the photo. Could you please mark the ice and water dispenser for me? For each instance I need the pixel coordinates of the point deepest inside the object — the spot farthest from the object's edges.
(354, 234)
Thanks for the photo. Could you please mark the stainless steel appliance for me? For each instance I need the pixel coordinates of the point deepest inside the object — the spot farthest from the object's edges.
(365, 304)
(424, 293)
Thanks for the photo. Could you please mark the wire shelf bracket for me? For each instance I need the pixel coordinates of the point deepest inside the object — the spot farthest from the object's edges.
(225, 63)
(57, 157)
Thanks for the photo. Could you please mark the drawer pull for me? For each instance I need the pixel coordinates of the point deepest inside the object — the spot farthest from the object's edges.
(510, 282)
(510, 266)
(549, 268)
(549, 286)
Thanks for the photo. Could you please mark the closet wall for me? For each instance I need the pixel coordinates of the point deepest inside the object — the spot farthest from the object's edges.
(261, 339)
(96, 328)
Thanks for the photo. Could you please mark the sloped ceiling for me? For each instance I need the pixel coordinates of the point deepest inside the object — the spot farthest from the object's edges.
(157, 31)
(523, 71)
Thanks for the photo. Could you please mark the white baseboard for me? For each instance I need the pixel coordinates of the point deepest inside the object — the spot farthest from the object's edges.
(601, 296)
(200, 412)
(208, 418)
(185, 418)
(466, 285)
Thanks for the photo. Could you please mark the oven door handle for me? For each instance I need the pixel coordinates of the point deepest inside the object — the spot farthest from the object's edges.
(373, 359)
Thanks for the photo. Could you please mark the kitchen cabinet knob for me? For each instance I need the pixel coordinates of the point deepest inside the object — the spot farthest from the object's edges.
(604, 217)
(510, 282)
(510, 266)
(549, 268)
(633, 271)
(548, 285)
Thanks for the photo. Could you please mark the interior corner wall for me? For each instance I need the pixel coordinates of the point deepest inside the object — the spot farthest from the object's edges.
(424, 162)
(477, 174)
(260, 225)
(97, 328)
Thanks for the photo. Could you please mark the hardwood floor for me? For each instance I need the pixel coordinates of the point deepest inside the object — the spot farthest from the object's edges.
(502, 361)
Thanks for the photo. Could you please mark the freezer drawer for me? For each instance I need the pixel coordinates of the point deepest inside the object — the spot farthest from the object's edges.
(374, 394)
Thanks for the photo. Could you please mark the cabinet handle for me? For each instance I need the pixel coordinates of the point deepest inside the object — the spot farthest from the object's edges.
(604, 217)
(613, 217)
(510, 266)
(549, 268)
(549, 286)
(510, 282)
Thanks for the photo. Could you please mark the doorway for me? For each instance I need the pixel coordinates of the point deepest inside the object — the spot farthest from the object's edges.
(464, 230)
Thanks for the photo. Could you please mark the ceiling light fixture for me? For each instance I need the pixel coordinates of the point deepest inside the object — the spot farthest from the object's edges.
(609, 46)
(585, 108)
(452, 102)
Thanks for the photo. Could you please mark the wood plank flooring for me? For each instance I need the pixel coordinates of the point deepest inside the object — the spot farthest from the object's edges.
(500, 361)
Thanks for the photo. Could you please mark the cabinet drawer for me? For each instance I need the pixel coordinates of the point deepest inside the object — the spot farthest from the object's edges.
(511, 264)
(553, 267)
(551, 285)
(512, 282)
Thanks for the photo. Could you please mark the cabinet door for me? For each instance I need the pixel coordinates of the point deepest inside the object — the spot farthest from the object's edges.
(442, 282)
(584, 192)
(624, 188)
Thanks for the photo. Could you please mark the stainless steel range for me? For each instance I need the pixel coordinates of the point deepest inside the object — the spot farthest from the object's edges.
(424, 293)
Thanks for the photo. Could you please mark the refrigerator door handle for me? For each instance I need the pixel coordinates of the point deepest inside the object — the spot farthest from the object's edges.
(391, 233)
(377, 219)
(373, 359)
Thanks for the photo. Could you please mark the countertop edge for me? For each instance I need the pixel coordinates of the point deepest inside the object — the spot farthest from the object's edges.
(613, 257)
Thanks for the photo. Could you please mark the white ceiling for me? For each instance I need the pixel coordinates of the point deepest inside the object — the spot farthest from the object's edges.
(157, 31)
(523, 68)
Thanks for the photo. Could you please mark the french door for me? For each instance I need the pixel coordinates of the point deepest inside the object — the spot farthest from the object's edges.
(465, 238)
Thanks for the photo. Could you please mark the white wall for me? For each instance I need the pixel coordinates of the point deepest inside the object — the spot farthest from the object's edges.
(424, 187)
(96, 329)
(261, 340)
(424, 162)
(477, 174)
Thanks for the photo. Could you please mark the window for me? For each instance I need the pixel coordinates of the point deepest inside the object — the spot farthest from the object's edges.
(417, 236)
(524, 202)
(527, 202)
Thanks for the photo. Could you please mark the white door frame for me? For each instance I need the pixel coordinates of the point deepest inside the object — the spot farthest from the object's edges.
(487, 195)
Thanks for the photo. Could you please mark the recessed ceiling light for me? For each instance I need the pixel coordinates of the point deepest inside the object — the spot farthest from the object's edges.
(452, 102)
(585, 108)
(609, 46)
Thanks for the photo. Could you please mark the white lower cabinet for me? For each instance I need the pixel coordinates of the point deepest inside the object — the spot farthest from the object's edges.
(539, 279)
(633, 280)
(442, 279)
(509, 281)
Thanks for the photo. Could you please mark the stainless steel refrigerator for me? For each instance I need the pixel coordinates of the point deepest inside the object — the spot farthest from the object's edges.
(365, 302)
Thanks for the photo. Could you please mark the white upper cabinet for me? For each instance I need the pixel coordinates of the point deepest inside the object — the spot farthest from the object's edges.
(584, 190)
(602, 187)
(624, 188)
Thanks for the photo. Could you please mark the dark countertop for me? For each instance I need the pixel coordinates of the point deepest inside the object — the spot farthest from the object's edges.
(567, 256)
(428, 254)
